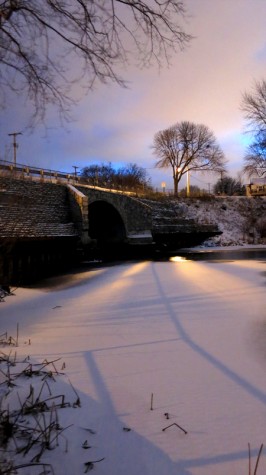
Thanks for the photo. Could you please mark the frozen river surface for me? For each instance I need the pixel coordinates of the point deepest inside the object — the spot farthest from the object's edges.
(147, 345)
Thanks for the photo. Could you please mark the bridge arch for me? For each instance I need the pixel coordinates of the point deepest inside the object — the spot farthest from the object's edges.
(126, 218)
(105, 223)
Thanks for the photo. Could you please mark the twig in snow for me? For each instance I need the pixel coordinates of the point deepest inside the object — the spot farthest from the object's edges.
(5, 340)
(85, 445)
(89, 465)
(13, 469)
(77, 403)
(17, 334)
(89, 430)
(257, 461)
(258, 458)
(175, 424)
(9, 379)
(249, 460)
(7, 358)
(151, 401)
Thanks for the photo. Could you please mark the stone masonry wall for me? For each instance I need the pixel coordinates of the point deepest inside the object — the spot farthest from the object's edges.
(34, 209)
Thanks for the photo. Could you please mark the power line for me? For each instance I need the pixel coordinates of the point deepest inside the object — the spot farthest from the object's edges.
(197, 179)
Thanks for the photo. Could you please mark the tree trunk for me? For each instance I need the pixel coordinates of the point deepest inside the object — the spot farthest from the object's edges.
(175, 186)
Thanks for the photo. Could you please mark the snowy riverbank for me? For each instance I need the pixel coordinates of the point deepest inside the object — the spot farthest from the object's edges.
(242, 220)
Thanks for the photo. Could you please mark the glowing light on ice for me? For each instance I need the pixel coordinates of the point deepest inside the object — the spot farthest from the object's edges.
(179, 259)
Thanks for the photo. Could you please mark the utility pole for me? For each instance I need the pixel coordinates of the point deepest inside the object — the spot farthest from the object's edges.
(75, 168)
(15, 145)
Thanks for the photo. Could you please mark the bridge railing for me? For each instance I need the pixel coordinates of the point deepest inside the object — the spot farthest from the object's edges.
(30, 172)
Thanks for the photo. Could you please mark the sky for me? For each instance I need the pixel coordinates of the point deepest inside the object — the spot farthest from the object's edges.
(204, 84)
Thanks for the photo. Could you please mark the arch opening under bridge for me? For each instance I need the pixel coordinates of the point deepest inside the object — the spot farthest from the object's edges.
(105, 223)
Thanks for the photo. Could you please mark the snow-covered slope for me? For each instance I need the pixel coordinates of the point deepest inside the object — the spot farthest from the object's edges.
(242, 220)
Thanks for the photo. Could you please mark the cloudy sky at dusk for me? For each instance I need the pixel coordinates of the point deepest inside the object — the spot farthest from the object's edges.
(204, 85)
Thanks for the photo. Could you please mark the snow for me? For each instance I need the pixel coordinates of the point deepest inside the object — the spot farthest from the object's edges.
(238, 217)
(145, 345)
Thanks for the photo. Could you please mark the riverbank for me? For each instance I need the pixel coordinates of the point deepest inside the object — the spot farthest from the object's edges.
(241, 220)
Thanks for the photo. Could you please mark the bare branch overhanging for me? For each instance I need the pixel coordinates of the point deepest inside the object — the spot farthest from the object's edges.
(47, 45)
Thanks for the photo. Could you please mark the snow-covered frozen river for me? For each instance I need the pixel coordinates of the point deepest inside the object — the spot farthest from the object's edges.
(185, 336)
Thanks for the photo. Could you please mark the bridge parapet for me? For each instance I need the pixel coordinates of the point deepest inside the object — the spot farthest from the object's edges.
(79, 204)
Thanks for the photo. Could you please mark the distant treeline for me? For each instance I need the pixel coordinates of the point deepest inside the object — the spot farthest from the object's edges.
(130, 176)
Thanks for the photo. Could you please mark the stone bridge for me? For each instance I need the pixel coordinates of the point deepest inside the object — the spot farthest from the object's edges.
(43, 224)
(112, 217)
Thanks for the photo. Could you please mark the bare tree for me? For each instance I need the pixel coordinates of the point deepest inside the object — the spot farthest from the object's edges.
(130, 176)
(255, 158)
(133, 177)
(46, 45)
(99, 174)
(254, 108)
(187, 146)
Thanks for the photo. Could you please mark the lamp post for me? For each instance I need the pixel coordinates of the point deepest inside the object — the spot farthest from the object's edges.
(178, 170)
(188, 183)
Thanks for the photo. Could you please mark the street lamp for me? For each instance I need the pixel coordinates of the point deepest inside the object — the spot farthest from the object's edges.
(178, 170)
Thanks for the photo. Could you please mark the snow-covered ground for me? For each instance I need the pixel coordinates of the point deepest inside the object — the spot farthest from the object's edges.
(242, 220)
(143, 346)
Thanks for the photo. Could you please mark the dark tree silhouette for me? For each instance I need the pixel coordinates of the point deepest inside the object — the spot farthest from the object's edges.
(129, 177)
(229, 186)
(254, 108)
(99, 175)
(133, 176)
(46, 45)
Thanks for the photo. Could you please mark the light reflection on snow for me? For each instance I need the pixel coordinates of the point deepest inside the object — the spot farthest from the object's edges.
(135, 269)
(179, 259)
